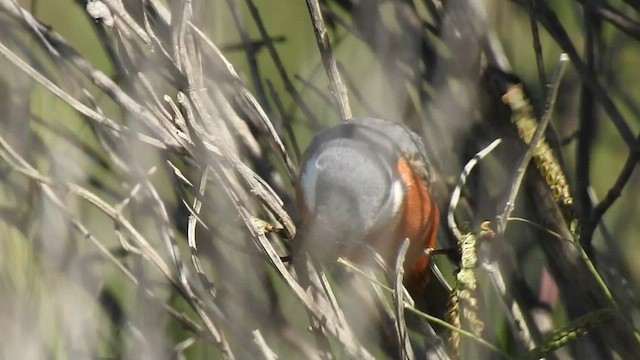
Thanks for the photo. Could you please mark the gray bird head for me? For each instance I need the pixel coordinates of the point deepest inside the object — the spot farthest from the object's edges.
(348, 185)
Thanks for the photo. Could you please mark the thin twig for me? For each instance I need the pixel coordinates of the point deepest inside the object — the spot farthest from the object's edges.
(310, 277)
(554, 84)
(338, 89)
(455, 195)
(282, 72)
(547, 17)
(511, 299)
(614, 193)
(252, 103)
(191, 237)
(405, 351)
(613, 16)
(255, 45)
(351, 345)
(286, 121)
(322, 95)
(149, 252)
(123, 15)
(267, 353)
(251, 52)
(462, 332)
(588, 119)
(537, 48)
(100, 79)
(610, 263)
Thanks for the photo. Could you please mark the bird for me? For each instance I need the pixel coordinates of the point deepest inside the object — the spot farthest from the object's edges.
(366, 182)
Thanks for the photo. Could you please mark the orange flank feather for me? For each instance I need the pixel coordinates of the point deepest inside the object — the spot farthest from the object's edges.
(419, 222)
